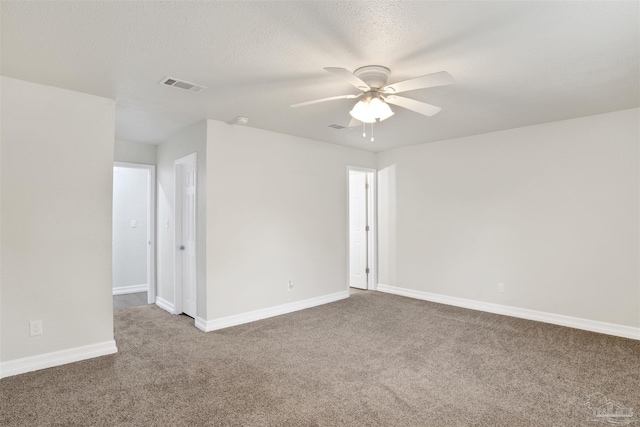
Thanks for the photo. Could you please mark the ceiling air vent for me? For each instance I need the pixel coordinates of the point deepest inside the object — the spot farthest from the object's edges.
(337, 127)
(181, 84)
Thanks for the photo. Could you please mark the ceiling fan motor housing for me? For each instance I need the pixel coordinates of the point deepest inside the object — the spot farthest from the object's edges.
(375, 76)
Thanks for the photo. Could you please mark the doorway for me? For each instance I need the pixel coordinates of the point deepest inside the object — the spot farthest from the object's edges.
(362, 230)
(185, 292)
(133, 234)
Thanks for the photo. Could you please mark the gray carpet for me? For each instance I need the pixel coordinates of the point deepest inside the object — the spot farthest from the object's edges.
(130, 300)
(370, 360)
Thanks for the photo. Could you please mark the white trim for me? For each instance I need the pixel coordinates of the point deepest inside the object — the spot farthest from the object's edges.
(151, 225)
(151, 256)
(523, 313)
(252, 316)
(373, 224)
(165, 305)
(373, 193)
(120, 290)
(56, 358)
(201, 324)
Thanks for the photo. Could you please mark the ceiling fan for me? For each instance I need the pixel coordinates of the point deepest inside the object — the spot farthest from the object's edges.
(376, 94)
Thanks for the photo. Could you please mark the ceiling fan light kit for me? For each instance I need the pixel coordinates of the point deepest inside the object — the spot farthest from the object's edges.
(371, 80)
(370, 109)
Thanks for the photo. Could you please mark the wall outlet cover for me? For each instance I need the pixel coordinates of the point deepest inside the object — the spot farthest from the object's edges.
(35, 327)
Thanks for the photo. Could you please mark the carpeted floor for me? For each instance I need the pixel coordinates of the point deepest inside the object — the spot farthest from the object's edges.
(370, 360)
(130, 300)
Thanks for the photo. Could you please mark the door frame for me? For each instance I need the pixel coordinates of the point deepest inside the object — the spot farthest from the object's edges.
(177, 215)
(151, 225)
(372, 282)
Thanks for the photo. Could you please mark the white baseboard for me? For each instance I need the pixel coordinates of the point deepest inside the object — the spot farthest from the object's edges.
(201, 324)
(523, 313)
(56, 358)
(165, 305)
(252, 316)
(130, 289)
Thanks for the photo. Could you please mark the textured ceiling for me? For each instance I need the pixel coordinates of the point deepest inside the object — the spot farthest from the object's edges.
(515, 63)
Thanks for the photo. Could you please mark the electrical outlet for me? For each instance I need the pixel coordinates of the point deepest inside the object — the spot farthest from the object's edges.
(35, 327)
(289, 285)
(500, 287)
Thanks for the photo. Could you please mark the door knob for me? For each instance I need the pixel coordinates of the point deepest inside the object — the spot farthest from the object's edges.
(182, 247)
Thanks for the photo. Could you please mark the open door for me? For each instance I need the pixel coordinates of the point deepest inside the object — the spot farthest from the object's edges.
(361, 228)
(185, 255)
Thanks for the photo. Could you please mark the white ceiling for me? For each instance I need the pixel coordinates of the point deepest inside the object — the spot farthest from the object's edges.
(515, 63)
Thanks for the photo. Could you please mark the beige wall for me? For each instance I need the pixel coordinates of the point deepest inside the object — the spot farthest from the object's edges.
(135, 152)
(276, 211)
(130, 244)
(551, 211)
(56, 182)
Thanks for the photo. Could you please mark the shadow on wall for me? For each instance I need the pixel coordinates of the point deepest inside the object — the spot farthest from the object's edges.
(165, 243)
(387, 225)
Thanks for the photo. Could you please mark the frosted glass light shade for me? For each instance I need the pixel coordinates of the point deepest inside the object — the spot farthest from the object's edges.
(381, 110)
(361, 111)
(368, 112)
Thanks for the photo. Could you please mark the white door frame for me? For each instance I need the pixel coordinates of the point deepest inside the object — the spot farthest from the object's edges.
(372, 282)
(151, 225)
(177, 215)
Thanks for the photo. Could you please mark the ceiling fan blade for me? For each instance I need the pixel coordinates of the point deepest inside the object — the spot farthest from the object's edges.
(413, 105)
(430, 80)
(331, 98)
(353, 123)
(349, 77)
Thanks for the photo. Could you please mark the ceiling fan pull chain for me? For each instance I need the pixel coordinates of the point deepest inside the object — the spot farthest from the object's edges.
(371, 132)
(364, 130)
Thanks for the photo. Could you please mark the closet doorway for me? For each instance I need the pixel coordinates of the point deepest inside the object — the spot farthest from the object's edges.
(134, 232)
(362, 230)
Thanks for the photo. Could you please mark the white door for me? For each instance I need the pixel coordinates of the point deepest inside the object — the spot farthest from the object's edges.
(187, 235)
(358, 227)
